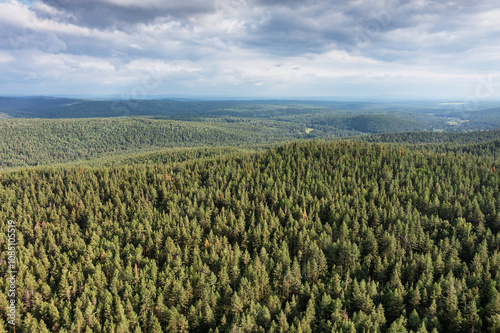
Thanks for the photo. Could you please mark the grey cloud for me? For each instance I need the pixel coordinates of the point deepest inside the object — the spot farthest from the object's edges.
(105, 14)
(296, 27)
(438, 28)
(26, 37)
(397, 33)
(312, 28)
(290, 27)
(286, 3)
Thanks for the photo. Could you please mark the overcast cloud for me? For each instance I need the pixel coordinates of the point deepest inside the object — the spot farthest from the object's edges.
(251, 48)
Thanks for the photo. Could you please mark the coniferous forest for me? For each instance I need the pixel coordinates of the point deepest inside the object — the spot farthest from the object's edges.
(308, 236)
(249, 166)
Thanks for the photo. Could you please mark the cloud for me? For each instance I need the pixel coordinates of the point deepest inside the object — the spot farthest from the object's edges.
(114, 14)
(5, 57)
(247, 46)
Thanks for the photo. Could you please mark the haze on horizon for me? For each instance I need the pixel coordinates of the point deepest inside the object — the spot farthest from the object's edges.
(246, 48)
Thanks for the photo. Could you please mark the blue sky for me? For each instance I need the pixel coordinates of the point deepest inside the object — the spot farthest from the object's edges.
(251, 48)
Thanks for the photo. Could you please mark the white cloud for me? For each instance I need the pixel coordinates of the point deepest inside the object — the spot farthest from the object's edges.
(5, 57)
(248, 47)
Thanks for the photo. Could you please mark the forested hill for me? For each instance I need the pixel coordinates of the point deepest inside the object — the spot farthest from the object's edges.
(320, 115)
(485, 144)
(30, 142)
(308, 237)
(53, 107)
(435, 137)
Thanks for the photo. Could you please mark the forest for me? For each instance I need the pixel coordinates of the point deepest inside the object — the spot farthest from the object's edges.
(29, 142)
(304, 236)
(248, 216)
(32, 142)
(328, 116)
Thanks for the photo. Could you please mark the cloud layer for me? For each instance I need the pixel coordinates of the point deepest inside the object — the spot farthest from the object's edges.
(357, 48)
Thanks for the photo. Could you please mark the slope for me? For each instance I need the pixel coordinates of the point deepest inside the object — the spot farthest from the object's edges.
(310, 236)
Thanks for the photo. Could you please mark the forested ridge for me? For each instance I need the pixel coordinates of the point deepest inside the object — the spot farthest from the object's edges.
(484, 144)
(460, 138)
(308, 237)
(29, 142)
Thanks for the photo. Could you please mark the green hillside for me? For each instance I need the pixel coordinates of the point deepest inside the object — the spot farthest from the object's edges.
(485, 144)
(338, 117)
(212, 217)
(29, 142)
(435, 137)
(306, 237)
(382, 124)
(25, 142)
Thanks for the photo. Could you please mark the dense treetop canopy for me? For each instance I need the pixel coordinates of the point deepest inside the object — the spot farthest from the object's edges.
(311, 236)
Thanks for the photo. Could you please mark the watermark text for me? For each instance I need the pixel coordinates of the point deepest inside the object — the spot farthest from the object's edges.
(11, 271)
